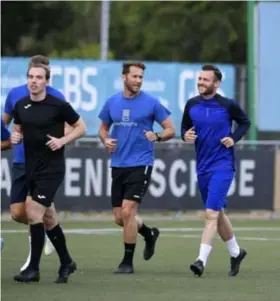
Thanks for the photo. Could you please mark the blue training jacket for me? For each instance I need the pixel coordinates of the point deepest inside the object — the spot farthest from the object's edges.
(212, 121)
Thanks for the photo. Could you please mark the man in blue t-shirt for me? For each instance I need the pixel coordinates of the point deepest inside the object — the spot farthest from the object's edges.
(132, 114)
(207, 122)
(5, 145)
(19, 190)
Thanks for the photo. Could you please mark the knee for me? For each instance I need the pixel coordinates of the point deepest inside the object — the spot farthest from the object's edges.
(18, 214)
(127, 213)
(34, 212)
(211, 215)
(50, 221)
(118, 220)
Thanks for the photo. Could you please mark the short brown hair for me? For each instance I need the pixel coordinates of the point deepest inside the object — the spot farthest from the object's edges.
(46, 68)
(217, 72)
(40, 59)
(127, 65)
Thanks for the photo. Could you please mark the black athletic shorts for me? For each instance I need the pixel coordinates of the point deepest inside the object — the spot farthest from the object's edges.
(43, 188)
(129, 183)
(19, 189)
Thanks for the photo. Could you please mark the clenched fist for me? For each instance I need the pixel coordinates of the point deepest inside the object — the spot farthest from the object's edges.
(151, 136)
(16, 137)
(110, 144)
(190, 135)
(227, 142)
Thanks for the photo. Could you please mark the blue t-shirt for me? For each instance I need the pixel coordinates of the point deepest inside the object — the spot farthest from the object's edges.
(212, 120)
(13, 97)
(5, 134)
(129, 118)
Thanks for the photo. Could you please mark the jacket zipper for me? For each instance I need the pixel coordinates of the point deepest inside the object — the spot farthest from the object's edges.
(207, 112)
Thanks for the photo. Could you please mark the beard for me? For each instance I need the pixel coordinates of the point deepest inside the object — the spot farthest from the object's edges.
(132, 88)
(208, 91)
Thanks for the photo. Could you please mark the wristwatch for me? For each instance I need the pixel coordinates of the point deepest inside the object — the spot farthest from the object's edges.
(158, 137)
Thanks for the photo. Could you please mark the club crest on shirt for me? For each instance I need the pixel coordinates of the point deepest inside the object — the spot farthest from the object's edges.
(125, 115)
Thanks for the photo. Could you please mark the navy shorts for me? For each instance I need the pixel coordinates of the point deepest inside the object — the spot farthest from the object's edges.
(213, 187)
(19, 189)
(129, 183)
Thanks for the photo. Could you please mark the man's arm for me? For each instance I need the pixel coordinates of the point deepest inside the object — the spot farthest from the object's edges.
(108, 142)
(78, 129)
(16, 134)
(186, 123)
(104, 131)
(168, 130)
(7, 118)
(239, 116)
(67, 128)
(6, 144)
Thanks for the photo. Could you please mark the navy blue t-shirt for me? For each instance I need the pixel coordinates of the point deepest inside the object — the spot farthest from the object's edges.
(212, 121)
(129, 118)
(13, 97)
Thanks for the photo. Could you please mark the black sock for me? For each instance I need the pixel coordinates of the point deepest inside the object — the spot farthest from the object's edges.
(57, 238)
(37, 232)
(128, 253)
(145, 231)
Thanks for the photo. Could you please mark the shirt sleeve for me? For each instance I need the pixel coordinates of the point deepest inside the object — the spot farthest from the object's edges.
(5, 134)
(186, 122)
(160, 112)
(104, 114)
(8, 104)
(239, 116)
(68, 114)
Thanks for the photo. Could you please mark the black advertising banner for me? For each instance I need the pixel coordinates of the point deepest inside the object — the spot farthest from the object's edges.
(173, 186)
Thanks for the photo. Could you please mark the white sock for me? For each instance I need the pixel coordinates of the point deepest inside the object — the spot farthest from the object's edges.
(204, 252)
(233, 247)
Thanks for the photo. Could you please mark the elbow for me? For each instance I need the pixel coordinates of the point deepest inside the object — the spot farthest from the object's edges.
(84, 129)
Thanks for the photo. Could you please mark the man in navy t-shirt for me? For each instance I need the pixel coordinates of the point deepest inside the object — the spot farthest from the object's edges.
(207, 121)
(19, 190)
(131, 115)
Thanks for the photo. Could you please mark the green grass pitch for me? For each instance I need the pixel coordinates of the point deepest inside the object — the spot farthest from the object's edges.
(166, 277)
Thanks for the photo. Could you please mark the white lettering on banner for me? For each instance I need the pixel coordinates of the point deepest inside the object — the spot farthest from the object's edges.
(93, 177)
(75, 82)
(193, 178)
(177, 190)
(179, 178)
(5, 176)
(159, 189)
(72, 176)
(246, 176)
(187, 91)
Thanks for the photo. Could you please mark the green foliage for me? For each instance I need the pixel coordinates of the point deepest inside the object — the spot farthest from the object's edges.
(190, 31)
(85, 51)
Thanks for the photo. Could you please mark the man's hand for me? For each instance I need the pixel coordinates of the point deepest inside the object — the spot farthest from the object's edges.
(16, 137)
(110, 144)
(151, 136)
(55, 143)
(190, 135)
(227, 142)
